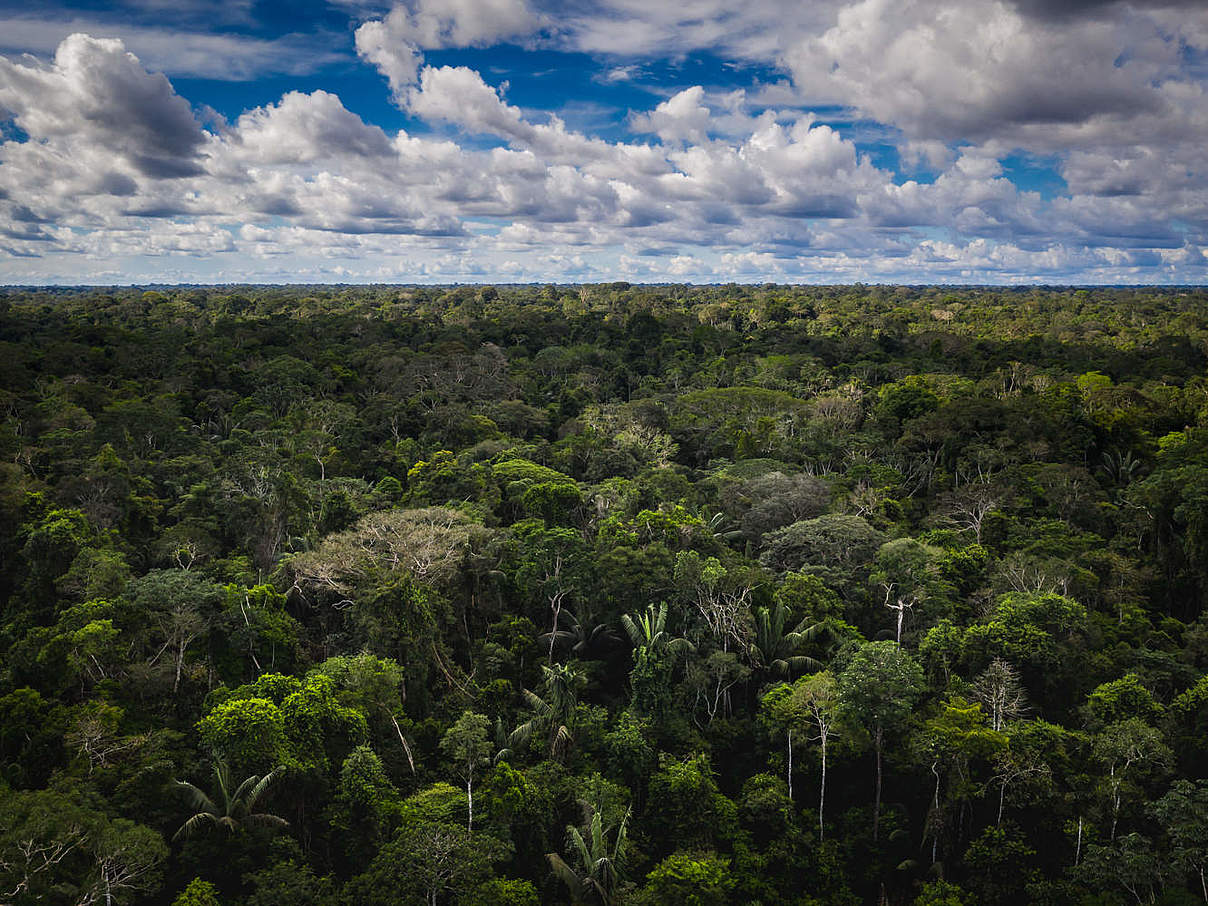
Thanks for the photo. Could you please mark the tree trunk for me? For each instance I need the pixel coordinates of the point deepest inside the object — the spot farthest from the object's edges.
(822, 792)
(790, 776)
(876, 809)
(470, 802)
(1115, 803)
(935, 805)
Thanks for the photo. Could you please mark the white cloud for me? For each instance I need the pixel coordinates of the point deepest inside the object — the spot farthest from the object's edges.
(99, 97)
(395, 44)
(303, 128)
(179, 51)
(974, 69)
(715, 187)
(680, 118)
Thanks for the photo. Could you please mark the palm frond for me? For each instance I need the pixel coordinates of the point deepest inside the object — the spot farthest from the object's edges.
(198, 800)
(521, 735)
(264, 819)
(194, 824)
(633, 630)
(565, 874)
(259, 789)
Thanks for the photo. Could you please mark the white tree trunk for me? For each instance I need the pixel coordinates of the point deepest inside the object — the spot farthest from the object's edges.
(790, 778)
(822, 791)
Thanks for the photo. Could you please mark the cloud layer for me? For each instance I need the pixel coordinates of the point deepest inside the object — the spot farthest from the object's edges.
(912, 140)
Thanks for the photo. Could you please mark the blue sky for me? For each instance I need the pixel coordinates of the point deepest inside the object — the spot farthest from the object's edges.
(948, 141)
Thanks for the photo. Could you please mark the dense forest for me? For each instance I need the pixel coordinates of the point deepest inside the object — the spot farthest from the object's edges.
(612, 594)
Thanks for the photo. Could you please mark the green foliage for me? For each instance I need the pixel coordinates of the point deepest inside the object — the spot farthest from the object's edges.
(248, 732)
(198, 893)
(942, 893)
(685, 808)
(691, 879)
(1119, 700)
(606, 566)
(504, 892)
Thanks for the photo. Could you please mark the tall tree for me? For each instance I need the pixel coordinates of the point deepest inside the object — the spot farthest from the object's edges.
(818, 696)
(877, 690)
(468, 744)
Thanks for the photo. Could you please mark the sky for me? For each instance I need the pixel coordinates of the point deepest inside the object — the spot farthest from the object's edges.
(516, 141)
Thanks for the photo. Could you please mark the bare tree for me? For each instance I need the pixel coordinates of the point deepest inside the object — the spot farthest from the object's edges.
(969, 506)
(1017, 767)
(1002, 695)
(899, 604)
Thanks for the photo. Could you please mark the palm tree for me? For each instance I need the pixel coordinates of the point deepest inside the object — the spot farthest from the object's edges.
(655, 653)
(233, 809)
(581, 636)
(554, 713)
(649, 635)
(774, 646)
(597, 875)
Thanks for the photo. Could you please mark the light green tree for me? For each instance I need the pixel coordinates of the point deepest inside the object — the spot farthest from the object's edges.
(468, 743)
(877, 690)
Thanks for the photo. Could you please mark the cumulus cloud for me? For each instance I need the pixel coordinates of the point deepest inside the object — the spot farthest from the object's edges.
(974, 70)
(679, 118)
(709, 183)
(97, 95)
(395, 43)
(303, 128)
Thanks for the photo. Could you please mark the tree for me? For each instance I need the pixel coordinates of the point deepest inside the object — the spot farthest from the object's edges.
(248, 732)
(774, 646)
(909, 573)
(198, 893)
(179, 606)
(428, 543)
(720, 596)
(550, 566)
(594, 878)
(950, 743)
(1120, 748)
(365, 804)
(376, 687)
(1129, 863)
(970, 506)
(942, 893)
(553, 714)
(429, 860)
(127, 857)
(685, 809)
(1018, 766)
(53, 849)
(818, 696)
(1183, 813)
(43, 843)
(689, 879)
(877, 690)
(468, 743)
(235, 807)
(655, 653)
(999, 691)
(505, 892)
(837, 547)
